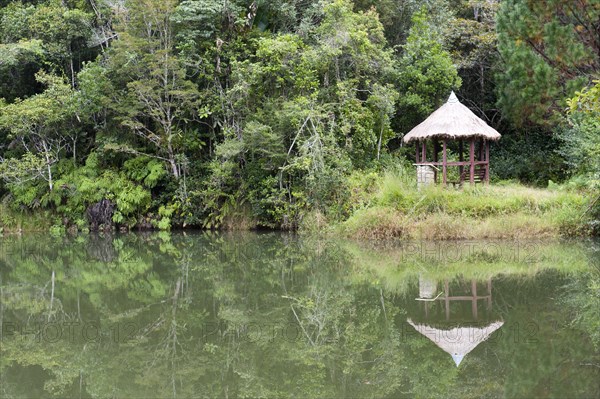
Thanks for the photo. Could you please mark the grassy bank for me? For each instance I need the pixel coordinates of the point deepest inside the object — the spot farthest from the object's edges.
(12, 221)
(389, 206)
(392, 206)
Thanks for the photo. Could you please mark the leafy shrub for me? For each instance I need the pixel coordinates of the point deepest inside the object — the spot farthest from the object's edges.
(88, 184)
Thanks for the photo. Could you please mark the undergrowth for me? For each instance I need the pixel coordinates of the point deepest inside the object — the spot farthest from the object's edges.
(396, 208)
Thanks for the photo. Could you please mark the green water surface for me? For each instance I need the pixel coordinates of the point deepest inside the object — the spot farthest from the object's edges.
(275, 316)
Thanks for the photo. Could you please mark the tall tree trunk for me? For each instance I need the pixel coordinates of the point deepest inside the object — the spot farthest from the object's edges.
(174, 168)
(169, 134)
(380, 138)
(48, 164)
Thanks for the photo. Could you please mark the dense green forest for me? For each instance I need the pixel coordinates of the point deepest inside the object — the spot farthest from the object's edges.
(272, 113)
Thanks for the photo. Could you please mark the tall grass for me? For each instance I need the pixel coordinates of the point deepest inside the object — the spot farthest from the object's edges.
(398, 208)
(12, 221)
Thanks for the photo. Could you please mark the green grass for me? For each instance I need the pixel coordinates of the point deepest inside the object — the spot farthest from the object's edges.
(389, 205)
(399, 209)
(12, 221)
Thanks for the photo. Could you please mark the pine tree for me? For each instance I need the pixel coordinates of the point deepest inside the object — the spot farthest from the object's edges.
(549, 49)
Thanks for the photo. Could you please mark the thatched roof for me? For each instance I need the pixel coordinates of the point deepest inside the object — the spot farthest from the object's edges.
(452, 121)
(457, 341)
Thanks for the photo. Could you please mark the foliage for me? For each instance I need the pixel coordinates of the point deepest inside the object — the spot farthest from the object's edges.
(549, 51)
(581, 144)
(86, 185)
(46, 35)
(581, 138)
(427, 72)
(472, 41)
(36, 124)
(157, 99)
(273, 113)
(312, 106)
(532, 158)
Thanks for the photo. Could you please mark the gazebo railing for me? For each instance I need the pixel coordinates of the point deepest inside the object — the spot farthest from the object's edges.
(464, 163)
(474, 164)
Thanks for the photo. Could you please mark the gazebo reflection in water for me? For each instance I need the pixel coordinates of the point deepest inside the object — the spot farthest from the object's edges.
(457, 316)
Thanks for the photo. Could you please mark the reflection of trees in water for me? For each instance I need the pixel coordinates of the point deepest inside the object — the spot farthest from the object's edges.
(101, 248)
(261, 315)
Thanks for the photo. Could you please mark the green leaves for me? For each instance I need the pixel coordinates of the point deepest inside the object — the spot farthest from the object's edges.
(547, 51)
(89, 184)
(38, 114)
(426, 72)
(23, 51)
(20, 170)
(38, 123)
(155, 100)
(581, 138)
(145, 170)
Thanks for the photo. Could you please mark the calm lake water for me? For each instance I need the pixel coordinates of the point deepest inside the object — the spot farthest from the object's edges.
(273, 315)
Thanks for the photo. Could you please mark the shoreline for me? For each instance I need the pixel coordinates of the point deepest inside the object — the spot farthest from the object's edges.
(391, 207)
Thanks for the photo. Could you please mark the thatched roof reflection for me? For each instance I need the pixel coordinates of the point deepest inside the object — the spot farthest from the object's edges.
(457, 341)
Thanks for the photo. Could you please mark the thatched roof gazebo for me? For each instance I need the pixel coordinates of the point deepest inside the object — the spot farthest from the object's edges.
(453, 121)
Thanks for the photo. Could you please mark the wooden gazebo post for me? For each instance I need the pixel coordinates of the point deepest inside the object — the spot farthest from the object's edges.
(444, 163)
(472, 161)
(487, 162)
(461, 158)
(435, 159)
(417, 151)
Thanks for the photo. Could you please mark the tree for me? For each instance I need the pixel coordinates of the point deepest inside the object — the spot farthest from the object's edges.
(427, 74)
(396, 16)
(304, 111)
(62, 33)
(472, 41)
(549, 49)
(37, 124)
(154, 99)
(383, 100)
(581, 145)
(582, 138)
